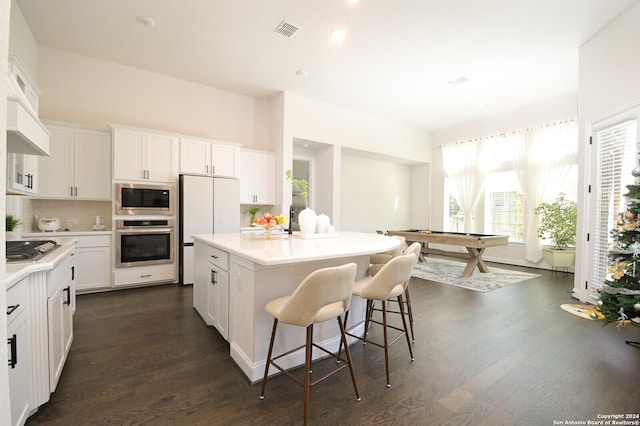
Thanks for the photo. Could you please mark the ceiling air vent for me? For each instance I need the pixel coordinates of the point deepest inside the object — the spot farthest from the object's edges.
(286, 29)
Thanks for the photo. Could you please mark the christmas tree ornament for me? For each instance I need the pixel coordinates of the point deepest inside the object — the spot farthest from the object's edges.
(636, 307)
(620, 222)
(629, 215)
(594, 316)
(600, 302)
(636, 171)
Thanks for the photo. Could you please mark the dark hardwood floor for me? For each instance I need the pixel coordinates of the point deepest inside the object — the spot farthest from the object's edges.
(508, 357)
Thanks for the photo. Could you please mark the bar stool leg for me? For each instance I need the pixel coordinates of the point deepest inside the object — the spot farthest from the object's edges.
(386, 341)
(307, 371)
(404, 324)
(268, 363)
(410, 311)
(343, 340)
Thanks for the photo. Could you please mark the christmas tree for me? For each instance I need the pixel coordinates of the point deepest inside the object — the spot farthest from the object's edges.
(620, 292)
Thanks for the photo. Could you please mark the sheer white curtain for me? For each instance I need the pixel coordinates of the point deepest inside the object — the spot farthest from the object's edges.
(463, 165)
(542, 158)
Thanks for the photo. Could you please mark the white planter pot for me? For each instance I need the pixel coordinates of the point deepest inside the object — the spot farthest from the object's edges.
(307, 219)
(559, 258)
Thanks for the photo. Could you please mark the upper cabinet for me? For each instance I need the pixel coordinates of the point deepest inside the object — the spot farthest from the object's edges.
(22, 174)
(141, 155)
(79, 166)
(257, 177)
(209, 158)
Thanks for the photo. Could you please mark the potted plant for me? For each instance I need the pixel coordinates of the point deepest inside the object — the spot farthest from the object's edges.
(558, 223)
(11, 225)
(307, 218)
(252, 214)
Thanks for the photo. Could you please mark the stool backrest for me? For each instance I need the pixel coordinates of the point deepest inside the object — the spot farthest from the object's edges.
(395, 272)
(326, 286)
(414, 248)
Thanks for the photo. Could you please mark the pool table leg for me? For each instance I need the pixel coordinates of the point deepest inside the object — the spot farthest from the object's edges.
(475, 260)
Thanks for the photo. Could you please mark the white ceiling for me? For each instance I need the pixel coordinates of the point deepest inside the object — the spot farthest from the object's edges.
(395, 62)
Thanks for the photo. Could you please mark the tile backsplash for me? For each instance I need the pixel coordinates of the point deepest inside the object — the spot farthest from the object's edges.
(82, 212)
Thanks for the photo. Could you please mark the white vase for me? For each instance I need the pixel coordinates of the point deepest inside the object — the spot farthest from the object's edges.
(322, 223)
(307, 219)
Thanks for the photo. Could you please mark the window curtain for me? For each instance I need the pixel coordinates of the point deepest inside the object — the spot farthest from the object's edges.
(462, 163)
(542, 158)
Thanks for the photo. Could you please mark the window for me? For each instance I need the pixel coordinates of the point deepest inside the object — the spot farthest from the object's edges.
(616, 158)
(504, 206)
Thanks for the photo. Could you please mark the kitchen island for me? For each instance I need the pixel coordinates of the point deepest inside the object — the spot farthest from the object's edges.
(237, 274)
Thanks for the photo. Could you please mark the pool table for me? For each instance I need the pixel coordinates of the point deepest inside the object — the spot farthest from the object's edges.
(474, 243)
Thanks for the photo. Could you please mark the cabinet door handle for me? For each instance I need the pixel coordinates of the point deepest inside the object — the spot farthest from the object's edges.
(19, 178)
(11, 309)
(145, 275)
(68, 291)
(206, 169)
(13, 342)
(73, 273)
(213, 277)
(75, 191)
(71, 191)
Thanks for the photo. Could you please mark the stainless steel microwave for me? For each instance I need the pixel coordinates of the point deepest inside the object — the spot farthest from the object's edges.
(144, 199)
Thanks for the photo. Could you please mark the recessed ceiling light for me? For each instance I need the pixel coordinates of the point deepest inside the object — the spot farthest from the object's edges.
(146, 21)
(337, 36)
(302, 73)
(352, 1)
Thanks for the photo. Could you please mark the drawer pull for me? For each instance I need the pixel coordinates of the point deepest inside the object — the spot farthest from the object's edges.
(12, 308)
(145, 276)
(214, 256)
(13, 341)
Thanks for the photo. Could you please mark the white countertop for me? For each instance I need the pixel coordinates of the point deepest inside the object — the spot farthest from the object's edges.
(46, 235)
(284, 249)
(17, 271)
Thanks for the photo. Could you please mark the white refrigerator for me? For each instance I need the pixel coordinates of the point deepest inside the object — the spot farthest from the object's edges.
(207, 205)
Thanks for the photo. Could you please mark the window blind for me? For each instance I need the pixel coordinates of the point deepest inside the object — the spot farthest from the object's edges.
(616, 152)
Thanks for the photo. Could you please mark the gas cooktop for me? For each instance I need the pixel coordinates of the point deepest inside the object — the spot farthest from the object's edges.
(29, 251)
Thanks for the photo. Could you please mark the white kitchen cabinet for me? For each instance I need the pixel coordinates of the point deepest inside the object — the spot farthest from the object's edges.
(79, 166)
(209, 158)
(257, 177)
(60, 309)
(19, 350)
(144, 155)
(22, 174)
(211, 287)
(93, 263)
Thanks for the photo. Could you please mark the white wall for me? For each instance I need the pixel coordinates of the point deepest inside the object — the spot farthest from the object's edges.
(93, 92)
(22, 42)
(609, 80)
(375, 195)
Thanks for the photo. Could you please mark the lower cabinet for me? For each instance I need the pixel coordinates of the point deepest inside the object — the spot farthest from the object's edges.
(19, 350)
(40, 310)
(211, 287)
(60, 309)
(93, 270)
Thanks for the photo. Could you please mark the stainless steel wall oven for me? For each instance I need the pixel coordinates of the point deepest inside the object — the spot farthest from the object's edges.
(142, 242)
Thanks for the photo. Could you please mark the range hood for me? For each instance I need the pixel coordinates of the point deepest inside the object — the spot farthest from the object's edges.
(25, 133)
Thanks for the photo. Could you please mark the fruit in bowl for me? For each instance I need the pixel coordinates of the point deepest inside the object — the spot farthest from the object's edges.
(269, 220)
